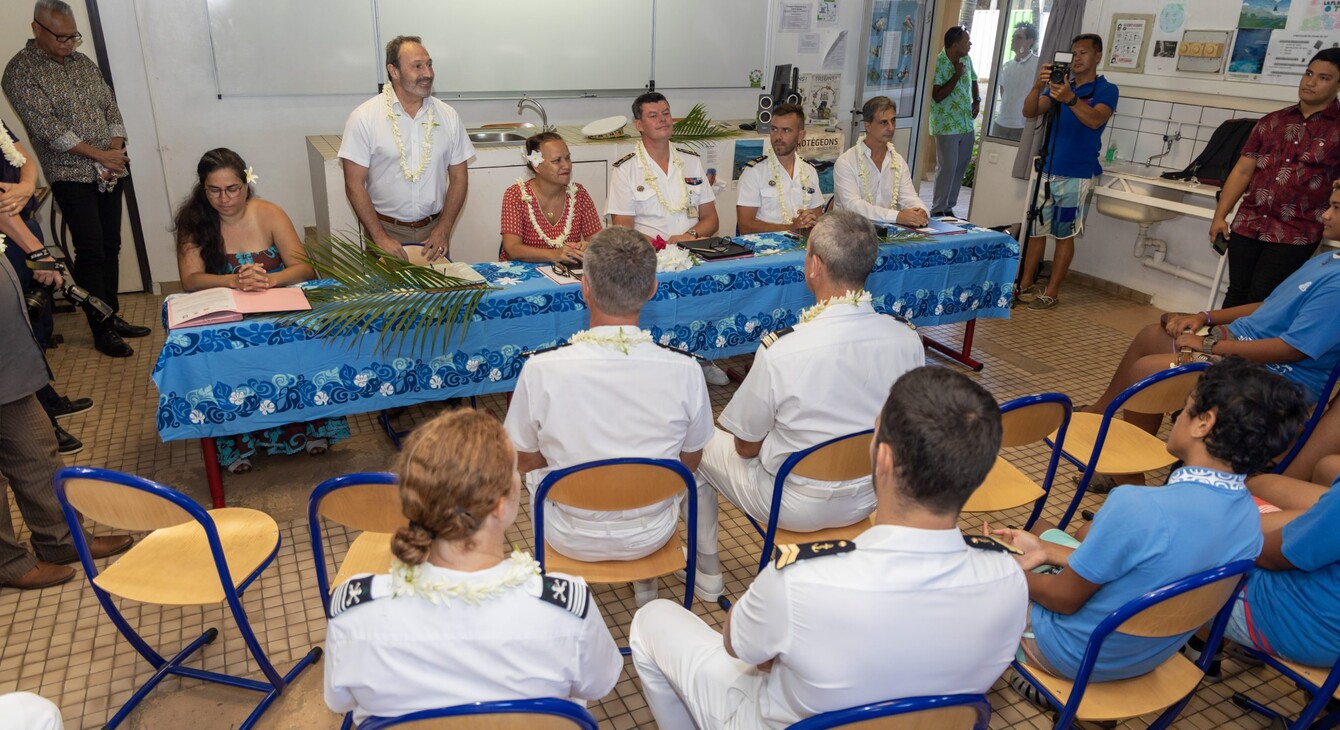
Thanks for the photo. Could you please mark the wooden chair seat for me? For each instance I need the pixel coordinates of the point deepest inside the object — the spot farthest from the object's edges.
(662, 562)
(848, 532)
(370, 552)
(1316, 675)
(173, 565)
(1169, 682)
(508, 721)
(1127, 450)
(1005, 487)
(940, 718)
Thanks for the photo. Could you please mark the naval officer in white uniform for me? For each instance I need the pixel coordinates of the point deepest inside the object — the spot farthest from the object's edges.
(780, 190)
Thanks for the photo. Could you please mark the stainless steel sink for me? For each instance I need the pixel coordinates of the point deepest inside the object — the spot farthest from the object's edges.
(498, 137)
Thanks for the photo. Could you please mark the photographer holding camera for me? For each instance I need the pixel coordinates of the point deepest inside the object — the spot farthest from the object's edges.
(1071, 154)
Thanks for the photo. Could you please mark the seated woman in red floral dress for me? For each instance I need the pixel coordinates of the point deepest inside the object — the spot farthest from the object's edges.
(548, 218)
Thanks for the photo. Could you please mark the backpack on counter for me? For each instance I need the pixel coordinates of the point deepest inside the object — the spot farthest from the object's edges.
(1221, 153)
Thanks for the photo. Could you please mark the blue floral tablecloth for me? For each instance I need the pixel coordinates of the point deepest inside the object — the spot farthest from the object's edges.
(227, 379)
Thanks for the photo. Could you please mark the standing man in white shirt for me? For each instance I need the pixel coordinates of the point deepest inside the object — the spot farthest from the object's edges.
(663, 191)
(405, 154)
(610, 392)
(1016, 78)
(780, 191)
(871, 178)
(913, 607)
(809, 384)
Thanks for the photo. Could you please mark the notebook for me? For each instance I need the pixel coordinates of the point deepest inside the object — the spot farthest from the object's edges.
(221, 304)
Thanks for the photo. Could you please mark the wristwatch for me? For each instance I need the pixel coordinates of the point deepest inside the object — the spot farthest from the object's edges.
(1208, 342)
(1073, 101)
(692, 232)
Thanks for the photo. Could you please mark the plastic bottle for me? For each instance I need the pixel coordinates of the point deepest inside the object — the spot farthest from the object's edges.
(1111, 151)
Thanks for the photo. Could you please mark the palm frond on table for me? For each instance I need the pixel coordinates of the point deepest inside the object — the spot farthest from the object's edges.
(698, 130)
(370, 291)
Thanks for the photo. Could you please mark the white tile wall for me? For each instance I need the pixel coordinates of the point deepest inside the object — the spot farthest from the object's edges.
(1138, 128)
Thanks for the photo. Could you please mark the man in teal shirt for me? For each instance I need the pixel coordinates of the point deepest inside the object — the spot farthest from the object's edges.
(955, 102)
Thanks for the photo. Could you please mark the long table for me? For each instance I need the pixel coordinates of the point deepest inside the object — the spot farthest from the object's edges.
(233, 378)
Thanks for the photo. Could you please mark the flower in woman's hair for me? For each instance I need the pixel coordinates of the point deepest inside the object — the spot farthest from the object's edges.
(252, 179)
(535, 158)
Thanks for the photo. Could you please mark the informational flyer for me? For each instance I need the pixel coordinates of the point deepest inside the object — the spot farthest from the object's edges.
(820, 92)
(1130, 34)
(795, 18)
(1288, 54)
(828, 13)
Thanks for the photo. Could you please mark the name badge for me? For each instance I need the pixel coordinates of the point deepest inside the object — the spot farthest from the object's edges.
(693, 181)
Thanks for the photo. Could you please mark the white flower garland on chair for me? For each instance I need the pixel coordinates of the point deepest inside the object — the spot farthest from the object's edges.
(388, 96)
(854, 298)
(527, 198)
(866, 193)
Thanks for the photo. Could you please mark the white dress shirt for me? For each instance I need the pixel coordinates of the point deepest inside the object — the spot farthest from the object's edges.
(369, 141)
(1016, 77)
(758, 191)
(891, 193)
(631, 193)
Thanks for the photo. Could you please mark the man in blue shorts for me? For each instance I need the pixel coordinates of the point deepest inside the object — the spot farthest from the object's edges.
(1083, 106)
(1237, 419)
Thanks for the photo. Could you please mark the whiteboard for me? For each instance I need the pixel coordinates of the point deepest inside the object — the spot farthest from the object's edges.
(527, 45)
(710, 43)
(293, 48)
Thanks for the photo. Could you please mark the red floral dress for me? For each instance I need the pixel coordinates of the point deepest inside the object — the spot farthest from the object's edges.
(515, 221)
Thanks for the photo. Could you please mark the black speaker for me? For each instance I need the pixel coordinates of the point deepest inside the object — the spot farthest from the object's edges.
(791, 97)
(763, 115)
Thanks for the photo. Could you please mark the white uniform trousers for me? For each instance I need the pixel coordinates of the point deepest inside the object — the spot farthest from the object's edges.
(687, 677)
(27, 711)
(806, 505)
(592, 540)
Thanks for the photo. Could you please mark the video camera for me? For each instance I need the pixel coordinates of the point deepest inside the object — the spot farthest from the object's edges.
(38, 297)
(1061, 67)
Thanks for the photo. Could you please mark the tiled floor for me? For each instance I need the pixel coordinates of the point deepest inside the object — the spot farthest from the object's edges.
(58, 643)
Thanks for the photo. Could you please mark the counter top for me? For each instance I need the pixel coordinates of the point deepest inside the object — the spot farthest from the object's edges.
(1151, 176)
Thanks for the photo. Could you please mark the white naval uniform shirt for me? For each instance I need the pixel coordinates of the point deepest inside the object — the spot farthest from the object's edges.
(369, 141)
(649, 216)
(909, 613)
(391, 656)
(756, 190)
(847, 185)
(587, 402)
(828, 378)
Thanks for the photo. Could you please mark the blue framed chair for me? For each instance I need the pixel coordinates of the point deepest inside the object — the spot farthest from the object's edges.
(1317, 412)
(621, 484)
(1177, 608)
(192, 556)
(1321, 683)
(962, 712)
(1024, 421)
(367, 502)
(540, 714)
(1121, 448)
(839, 459)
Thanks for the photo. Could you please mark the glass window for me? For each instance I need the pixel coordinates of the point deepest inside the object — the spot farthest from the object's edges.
(1016, 64)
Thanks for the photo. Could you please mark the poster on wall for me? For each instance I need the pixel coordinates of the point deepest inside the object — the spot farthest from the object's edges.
(1249, 54)
(1269, 14)
(1129, 41)
(891, 68)
(1289, 52)
(1318, 15)
(820, 92)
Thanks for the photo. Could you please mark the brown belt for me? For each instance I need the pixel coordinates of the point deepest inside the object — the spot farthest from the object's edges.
(421, 223)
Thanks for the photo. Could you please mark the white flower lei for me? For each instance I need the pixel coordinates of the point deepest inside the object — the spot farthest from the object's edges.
(866, 194)
(854, 298)
(784, 198)
(650, 178)
(675, 258)
(388, 96)
(526, 199)
(408, 580)
(12, 153)
(621, 341)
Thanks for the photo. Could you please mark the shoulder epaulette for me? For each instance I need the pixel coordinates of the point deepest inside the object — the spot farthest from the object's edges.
(991, 543)
(356, 591)
(624, 159)
(771, 338)
(672, 348)
(787, 554)
(543, 350)
(755, 161)
(687, 151)
(571, 595)
(902, 319)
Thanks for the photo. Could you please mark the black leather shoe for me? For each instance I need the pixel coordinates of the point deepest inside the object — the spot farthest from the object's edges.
(65, 407)
(109, 343)
(126, 329)
(67, 444)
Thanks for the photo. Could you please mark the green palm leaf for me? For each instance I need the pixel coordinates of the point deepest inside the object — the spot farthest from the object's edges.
(698, 130)
(369, 291)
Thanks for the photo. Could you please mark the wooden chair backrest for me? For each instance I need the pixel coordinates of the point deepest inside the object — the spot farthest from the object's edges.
(1164, 396)
(414, 254)
(500, 721)
(122, 507)
(838, 461)
(1030, 424)
(617, 487)
(940, 718)
(1181, 613)
(365, 507)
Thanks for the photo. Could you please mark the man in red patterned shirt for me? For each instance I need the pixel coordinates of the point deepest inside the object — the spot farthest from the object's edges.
(1283, 179)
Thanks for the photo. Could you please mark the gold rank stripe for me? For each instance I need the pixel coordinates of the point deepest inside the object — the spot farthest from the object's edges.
(786, 555)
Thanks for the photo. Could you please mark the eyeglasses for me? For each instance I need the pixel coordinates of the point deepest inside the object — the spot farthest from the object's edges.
(230, 191)
(73, 38)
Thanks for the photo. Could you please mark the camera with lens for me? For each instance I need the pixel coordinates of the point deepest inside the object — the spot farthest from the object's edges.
(1061, 68)
(38, 297)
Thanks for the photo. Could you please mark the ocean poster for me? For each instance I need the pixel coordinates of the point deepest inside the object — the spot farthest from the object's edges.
(1249, 51)
(1270, 14)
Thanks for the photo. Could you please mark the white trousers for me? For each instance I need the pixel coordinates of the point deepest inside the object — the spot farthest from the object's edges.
(807, 505)
(591, 536)
(687, 677)
(27, 711)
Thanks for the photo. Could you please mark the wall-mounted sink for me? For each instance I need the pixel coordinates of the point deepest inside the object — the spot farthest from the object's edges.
(484, 137)
(1120, 198)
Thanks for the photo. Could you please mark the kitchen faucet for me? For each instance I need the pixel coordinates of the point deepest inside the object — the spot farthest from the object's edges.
(544, 117)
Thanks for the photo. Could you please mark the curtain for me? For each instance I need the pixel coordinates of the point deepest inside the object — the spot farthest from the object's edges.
(1062, 25)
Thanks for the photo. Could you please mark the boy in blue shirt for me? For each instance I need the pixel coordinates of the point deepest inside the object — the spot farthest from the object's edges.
(1237, 419)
